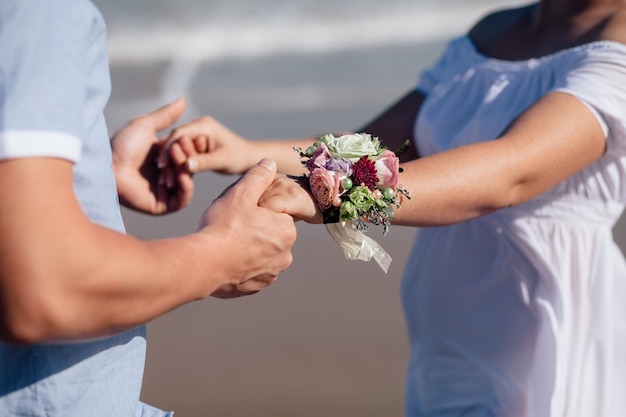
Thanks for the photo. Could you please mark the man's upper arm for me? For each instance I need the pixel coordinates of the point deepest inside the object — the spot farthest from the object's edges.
(39, 222)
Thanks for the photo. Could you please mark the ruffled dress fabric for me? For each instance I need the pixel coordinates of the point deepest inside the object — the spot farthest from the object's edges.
(521, 313)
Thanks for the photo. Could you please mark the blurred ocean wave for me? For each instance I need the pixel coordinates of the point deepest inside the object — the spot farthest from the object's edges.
(201, 30)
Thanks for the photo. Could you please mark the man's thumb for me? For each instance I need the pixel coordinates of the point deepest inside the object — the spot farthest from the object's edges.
(259, 177)
(164, 116)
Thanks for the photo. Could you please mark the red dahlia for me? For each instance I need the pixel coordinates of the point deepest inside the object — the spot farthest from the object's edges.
(364, 173)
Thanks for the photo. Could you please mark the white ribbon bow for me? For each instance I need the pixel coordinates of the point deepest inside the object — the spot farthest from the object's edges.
(357, 246)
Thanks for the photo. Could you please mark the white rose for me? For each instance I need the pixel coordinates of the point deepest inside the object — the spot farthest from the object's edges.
(353, 146)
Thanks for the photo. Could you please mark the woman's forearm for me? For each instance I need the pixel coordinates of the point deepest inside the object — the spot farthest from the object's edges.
(551, 141)
(283, 152)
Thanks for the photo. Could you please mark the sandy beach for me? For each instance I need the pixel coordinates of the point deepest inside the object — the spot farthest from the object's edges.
(328, 339)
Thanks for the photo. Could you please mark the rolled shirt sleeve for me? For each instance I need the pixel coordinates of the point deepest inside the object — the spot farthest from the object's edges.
(43, 69)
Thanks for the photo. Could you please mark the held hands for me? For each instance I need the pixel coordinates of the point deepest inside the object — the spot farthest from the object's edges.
(154, 175)
(204, 144)
(250, 220)
(255, 241)
(288, 195)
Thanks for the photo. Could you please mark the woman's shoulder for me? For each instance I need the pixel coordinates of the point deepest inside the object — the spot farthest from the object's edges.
(614, 27)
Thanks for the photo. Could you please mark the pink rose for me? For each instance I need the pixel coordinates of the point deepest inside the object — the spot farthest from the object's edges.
(325, 186)
(319, 157)
(387, 169)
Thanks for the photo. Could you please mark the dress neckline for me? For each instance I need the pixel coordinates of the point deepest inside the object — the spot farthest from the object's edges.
(602, 44)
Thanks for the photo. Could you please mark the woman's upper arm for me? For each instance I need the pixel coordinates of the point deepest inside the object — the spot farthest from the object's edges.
(552, 140)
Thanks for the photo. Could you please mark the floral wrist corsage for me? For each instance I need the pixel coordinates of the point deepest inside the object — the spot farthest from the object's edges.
(354, 180)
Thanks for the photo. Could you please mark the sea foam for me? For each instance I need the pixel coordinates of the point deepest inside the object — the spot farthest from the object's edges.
(248, 37)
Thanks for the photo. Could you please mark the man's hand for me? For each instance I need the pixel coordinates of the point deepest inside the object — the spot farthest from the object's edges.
(255, 241)
(140, 182)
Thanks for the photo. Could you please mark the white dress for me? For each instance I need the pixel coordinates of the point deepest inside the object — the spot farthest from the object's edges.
(521, 313)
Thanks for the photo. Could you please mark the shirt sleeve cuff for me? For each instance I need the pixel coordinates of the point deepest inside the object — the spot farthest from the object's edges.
(39, 143)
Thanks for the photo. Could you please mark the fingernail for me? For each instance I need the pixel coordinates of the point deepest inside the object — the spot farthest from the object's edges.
(192, 165)
(267, 163)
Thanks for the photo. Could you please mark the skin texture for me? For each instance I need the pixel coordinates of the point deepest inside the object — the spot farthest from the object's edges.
(64, 277)
(553, 139)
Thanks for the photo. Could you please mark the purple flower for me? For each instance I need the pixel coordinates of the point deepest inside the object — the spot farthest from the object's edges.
(340, 165)
(319, 157)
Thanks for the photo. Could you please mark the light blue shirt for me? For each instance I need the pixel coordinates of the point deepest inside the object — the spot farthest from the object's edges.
(54, 86)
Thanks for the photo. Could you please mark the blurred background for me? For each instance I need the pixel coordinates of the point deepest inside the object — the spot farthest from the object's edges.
(328, 339)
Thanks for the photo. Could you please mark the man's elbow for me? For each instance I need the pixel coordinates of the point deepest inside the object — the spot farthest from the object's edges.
(30, 318)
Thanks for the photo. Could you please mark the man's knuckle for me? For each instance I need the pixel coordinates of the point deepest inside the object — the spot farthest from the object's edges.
(288, 261)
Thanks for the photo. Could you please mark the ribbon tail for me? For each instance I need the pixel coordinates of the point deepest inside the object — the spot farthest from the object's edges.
(357, 246)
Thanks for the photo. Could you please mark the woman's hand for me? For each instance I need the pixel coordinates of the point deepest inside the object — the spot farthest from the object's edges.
(204, 144)
(288, 195)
